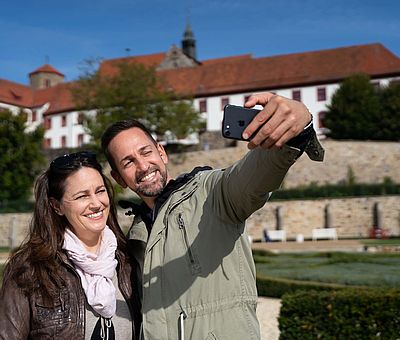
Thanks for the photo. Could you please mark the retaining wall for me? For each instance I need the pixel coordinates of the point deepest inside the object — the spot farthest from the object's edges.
(370, 162)
(352, 217)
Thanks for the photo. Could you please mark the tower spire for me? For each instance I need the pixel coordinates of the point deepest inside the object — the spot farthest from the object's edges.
(188, 41)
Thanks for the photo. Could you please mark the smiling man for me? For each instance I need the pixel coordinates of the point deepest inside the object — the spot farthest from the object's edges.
(195, 267)
(139, 162)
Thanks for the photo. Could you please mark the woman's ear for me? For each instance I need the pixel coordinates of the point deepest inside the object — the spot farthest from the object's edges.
(56, 206)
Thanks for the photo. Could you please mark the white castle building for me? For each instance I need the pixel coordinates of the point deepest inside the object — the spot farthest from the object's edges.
(311, 77)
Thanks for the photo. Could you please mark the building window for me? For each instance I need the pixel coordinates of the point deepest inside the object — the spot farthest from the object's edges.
(203, 105)
(80, 118)
(47, 83)
(47, 123)
(321, 119)
(321, 94)
(63, 141)
(224, 101)
(296, 95)
(34, 116)
(80, 139)
(64, 120)
(47, 143)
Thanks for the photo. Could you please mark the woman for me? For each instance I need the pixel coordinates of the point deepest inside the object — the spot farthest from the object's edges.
(71, 279)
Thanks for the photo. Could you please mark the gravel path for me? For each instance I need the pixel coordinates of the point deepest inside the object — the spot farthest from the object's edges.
(267, 313)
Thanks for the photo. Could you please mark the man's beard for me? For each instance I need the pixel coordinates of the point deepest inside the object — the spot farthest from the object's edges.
(153, 190)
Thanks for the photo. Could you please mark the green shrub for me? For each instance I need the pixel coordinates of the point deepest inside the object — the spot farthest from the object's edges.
(17, 206)
(387, 187)
(277, 287)
(344, 314)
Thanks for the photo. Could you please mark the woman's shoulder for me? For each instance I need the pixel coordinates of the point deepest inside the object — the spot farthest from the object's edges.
(17, 273)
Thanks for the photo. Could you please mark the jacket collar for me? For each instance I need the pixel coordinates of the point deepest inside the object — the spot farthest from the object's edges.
(148, 215)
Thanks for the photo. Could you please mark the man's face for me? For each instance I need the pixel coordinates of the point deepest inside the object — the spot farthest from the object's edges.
(140, 163)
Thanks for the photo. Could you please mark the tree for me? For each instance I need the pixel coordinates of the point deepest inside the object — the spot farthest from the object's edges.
(361, 111)
(355, 110)
(389, 126)
(135, 91)
(20, 156)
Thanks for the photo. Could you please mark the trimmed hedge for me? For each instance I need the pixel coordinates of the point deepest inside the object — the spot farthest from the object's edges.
(277, 287)
(337, 190)
(345, 314)
(313, 191)
(16, 206)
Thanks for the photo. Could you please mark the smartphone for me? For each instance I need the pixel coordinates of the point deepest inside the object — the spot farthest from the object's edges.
(235, 121)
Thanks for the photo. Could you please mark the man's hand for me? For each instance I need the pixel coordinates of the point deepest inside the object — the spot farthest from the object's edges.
(280, 120)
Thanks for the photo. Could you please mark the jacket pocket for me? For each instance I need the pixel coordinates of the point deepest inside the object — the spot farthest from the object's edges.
(50, 314)
(193, 261)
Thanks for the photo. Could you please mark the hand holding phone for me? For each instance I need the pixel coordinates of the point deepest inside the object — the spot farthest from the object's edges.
(235, 121)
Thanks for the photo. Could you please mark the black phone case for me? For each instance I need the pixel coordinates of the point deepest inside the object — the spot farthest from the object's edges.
(235, 120)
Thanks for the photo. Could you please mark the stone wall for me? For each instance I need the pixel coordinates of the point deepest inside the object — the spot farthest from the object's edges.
(370, 162)
(15, 227)
(352, 217)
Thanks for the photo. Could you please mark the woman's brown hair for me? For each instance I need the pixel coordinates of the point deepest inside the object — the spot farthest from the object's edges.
(35, 266)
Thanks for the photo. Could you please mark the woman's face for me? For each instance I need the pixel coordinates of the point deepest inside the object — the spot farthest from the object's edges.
(85, 203)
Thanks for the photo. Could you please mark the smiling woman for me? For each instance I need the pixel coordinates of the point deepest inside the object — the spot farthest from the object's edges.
(74, 266)
(85, 205)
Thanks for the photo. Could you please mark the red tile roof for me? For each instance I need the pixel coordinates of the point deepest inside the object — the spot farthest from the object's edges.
(59, 97)
(47, 69)
(15, 94)
(291, 70)
(232, 74)
(227, 59)
(109, 67)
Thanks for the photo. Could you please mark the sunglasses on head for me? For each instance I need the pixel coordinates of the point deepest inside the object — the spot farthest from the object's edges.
(68, 160)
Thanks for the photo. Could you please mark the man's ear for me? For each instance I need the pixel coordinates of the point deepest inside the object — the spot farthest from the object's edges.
(162, 153)
(56, 206)
(118, 178)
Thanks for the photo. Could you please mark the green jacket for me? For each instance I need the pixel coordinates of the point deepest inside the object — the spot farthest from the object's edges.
(197, 271)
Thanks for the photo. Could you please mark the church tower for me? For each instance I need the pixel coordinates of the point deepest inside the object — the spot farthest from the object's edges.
(189, 42)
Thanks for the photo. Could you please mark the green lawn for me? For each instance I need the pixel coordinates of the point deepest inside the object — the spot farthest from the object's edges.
(364, 269)
(388, 242)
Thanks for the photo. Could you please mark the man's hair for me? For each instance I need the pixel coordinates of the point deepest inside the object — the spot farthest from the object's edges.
(114, 129)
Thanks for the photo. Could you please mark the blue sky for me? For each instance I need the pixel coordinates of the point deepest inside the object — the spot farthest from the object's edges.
(66, 33)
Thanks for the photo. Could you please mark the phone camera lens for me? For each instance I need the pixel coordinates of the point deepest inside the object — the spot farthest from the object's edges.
(227, 133)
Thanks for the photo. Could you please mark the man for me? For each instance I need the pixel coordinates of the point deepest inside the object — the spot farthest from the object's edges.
(195, 263)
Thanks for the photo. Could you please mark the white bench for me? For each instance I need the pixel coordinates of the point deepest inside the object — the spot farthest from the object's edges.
(324, 233)
(277, 235)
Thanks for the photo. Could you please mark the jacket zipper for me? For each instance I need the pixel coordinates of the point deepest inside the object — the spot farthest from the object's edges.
(179, 201)
(167, 213)
(182, 227)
